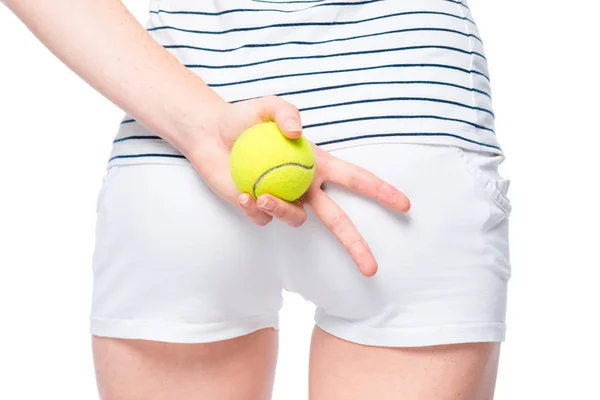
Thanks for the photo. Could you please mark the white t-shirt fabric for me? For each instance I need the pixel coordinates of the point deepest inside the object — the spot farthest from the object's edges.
(361, 72)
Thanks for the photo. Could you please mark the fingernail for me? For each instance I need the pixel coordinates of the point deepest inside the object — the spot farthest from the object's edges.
(266, 204)
(293, 125)
(362, 254)
(394, 197)
(245, 202)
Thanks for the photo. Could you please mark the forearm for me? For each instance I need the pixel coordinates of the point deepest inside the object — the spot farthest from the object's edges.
(104, 44)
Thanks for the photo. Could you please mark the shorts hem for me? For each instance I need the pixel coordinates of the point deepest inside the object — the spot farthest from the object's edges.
(180, 332)
(413, 337)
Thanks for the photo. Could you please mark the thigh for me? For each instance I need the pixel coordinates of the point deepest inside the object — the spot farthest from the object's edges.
(236, 369)
(350, 371)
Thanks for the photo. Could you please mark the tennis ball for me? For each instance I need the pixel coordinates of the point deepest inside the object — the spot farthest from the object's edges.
(263, 161)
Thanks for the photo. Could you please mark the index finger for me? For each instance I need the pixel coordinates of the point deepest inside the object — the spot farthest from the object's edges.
(362, 181)
(336, 220)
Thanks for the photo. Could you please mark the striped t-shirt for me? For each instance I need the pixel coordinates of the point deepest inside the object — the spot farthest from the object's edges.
(360, 71)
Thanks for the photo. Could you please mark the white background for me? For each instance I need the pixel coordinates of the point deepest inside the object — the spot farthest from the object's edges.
(55, 139)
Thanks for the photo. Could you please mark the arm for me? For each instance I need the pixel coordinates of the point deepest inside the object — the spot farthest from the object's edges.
(105, 45)
(102, 42)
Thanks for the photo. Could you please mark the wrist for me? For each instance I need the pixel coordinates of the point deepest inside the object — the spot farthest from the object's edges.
(190, 126)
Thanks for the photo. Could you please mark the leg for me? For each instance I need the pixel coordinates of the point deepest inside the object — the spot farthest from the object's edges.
(426, 326)
(236, 369)
(349, 371)
(185, 289)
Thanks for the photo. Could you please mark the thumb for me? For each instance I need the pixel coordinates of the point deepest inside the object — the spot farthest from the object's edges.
(283, 113)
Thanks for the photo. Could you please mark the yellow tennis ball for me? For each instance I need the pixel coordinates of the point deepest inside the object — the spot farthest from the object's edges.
(263, 161)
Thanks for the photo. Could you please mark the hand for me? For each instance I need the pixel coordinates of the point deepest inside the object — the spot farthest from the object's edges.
(211, 159)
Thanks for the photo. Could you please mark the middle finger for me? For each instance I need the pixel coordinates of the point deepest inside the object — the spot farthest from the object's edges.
(338, 222)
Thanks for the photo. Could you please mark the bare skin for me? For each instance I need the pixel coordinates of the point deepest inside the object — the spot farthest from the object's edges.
(349, 371)
(104, 44)
(236, 369)
(244, 368)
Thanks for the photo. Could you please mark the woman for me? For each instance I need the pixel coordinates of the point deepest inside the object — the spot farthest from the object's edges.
(187, 288)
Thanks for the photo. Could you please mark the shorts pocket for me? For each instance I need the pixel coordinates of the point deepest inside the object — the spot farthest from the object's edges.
(483, 167)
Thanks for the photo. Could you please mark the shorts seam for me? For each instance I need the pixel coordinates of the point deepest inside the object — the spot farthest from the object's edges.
(413, 336)
(214, 323)
(180, 332)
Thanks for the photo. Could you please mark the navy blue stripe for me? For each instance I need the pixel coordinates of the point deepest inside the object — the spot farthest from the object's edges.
(146, 155)
(435, 100)
(123, 139)
(299, 24)
(384, 135)
(323, 56)
(127, 121)
(218, 13)
(366, 101)
(303, 43)
(343, 121)
(321, 1)
(342, 140)
(135, 138)
(288, 2)
(247, 10)
(349, 85)
(459, 3)
(349, 103)
(452, 67)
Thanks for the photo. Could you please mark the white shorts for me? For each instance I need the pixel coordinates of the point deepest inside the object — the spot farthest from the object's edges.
(174, 263)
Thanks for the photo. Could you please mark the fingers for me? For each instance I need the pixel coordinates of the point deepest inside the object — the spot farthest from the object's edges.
(286, 115)
(261, 212)
(244, 114)
(362, 181)
(334, 218)
(248, 205)
(292, 214)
